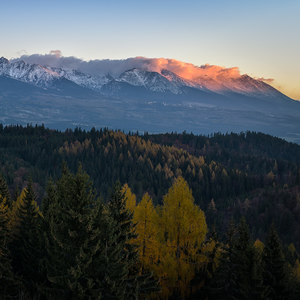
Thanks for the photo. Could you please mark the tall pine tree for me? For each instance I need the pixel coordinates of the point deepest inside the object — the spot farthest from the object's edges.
(8, 282)
(225, 280)
(130, 282)
(74, 213)
(4, 192)
(124, 230)
(250, 266)
(25, 247)
(276, 274)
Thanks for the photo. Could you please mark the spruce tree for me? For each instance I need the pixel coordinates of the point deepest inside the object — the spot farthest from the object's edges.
(8, 282)
(204, 276)
(4, 192)
(75, 240)
(26, 247)
(275, 274)
(114, 269)
(124, 230)
(45, 236)
(129, 283)
(250, 266)
(16, 193)
(225, 281)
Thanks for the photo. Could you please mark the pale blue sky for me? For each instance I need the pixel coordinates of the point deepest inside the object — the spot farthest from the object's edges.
(262, 38)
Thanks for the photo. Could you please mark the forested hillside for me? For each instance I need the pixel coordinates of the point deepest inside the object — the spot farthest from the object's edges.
(184, 208)
(247, 174)
(78, 247)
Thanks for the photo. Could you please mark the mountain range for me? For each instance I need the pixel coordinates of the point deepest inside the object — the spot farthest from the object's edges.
(143, 100)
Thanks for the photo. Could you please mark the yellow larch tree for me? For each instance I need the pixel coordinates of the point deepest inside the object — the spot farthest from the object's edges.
(259, 246)
(182, 231)
(296, 270)
(130, 198)
(145, 217)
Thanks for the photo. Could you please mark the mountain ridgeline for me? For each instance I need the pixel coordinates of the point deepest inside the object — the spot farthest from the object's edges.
(155, 81)
(143, 100)
(231, 175)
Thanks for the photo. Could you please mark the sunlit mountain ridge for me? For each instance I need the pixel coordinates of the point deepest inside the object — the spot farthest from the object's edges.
(149, 98)
(162, 81)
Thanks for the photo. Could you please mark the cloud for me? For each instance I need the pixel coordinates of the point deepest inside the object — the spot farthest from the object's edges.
(57, 53)
(188, 70)
(268, 80)
(118, 66)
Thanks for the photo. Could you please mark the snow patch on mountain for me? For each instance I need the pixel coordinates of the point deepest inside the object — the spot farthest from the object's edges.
(152, 81)
(30, 73)
(164, 81)
(179, 81)
(249, 86)
(85, 80)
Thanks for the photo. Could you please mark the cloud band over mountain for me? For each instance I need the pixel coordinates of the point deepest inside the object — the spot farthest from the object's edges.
(117, 66)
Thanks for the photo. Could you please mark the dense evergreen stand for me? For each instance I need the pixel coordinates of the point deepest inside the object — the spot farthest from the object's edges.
(9, 285)
(247, 174)
(26, 248)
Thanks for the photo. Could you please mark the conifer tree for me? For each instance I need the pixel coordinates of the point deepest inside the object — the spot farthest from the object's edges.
(73, 266)
(250, 266)
(130, 282)
(182, 231)
(26, 246)
(203, 277)
(14, 220)
(225, 282)
(275, 275)
(130, 198)
(295, 287)
(8, 282)
(49, 200)
(4, 192)
(114, 270)
(145, 217)
(45, 236)
(16, 193)
(125, 232)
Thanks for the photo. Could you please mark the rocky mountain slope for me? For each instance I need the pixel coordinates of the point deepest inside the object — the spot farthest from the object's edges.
(163, 81)
(138, 99)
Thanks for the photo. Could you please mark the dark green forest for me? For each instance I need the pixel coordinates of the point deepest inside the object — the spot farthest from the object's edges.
(221, 214)
(248, 174)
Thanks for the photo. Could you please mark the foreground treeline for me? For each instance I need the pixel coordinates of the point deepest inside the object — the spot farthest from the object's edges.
(231, 175)
(80, 246)
(75, 247)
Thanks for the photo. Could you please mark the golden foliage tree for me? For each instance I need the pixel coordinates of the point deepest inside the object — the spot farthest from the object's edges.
(182, 232)
(129, 197)
(145, 217)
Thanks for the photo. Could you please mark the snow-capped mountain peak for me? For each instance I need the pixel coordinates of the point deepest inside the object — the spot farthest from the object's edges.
(30, 73)
(85, 80)
(164, 81)
(246, 85)
(179, 81)
(152, 81)
(3, 60)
